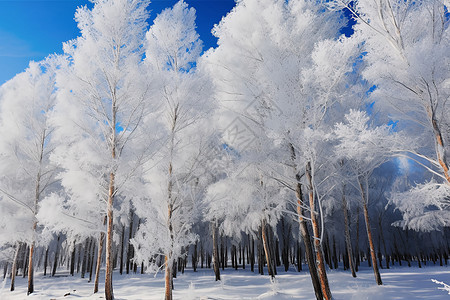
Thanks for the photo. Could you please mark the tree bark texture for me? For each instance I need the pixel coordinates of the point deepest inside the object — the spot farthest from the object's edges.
(317, 242)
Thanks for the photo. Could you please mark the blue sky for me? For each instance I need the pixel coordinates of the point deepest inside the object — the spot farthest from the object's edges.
(32, 29)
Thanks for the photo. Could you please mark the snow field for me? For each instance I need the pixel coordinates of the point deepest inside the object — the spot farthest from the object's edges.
(398, 283)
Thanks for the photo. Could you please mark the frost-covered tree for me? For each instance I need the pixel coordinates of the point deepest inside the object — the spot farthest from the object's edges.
(425, 207)
(274, 74)
(101, 103)
(408, 61)
(364, 148)
(174, 188)
(27, 175)
(252, 204)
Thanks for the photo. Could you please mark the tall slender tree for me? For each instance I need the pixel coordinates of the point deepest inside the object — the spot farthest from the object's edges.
(27, 102)
(172, 49)
(101, 103)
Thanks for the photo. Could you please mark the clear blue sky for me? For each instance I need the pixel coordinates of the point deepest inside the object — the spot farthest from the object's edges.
(32, 29)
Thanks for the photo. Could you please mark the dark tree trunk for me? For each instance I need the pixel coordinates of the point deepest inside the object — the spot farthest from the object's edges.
(130, 251)
(195, 257)
(91, 259)
(386, 255)
(243, 256)
(299, 257)
(215, 251)
(260, 253)
(202, 255)
(252, 253)
(225, 259)
(335, 259)
(79, 262)
(25, 261)
(72, 260)
(327, 252)
(357, 259)
(85, 255)
(122, 241)
(55, 262)
(46, 261)
(348, 241)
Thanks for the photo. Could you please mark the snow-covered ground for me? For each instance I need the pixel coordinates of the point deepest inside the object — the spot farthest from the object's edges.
(399, 283)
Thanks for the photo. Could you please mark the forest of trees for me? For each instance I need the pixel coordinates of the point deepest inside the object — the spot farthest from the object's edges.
(290, 143)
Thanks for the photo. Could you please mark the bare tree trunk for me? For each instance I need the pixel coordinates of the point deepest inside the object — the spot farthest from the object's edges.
(317, 242)
(260, 253)
(168, 279)
(347, 234)
(440, 148)
(55, 262)
(26, 252)
(46, 261)
(305, 233)
(5, 269)
(99, 260)
(72, 260)
(30, 267)
(364, 195)
(357, 258)
(122, 240)
(267, 251)
(215, 251)
(130, 246)
(109, 294)
(384, 242)
(91, 258)
(195, 257)
(79, 260)
(202, 255)
(251, 253)
(14, 266)
(85, 255)
(335, 254)
(243, 256)
(299, 260)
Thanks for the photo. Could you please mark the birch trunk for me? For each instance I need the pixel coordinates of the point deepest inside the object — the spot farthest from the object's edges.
(14, 267)
(99, 260)
(347, 234)
(440, 148)
(317, 242)
(266, 246)
(364, 195)
(305, 233)
(168, 279)
(30, 267)
(109, 295)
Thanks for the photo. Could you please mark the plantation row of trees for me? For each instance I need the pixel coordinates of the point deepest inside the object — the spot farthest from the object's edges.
(287, 142)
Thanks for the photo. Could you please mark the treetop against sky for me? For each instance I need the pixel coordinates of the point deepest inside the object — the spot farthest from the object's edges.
(33, 29)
